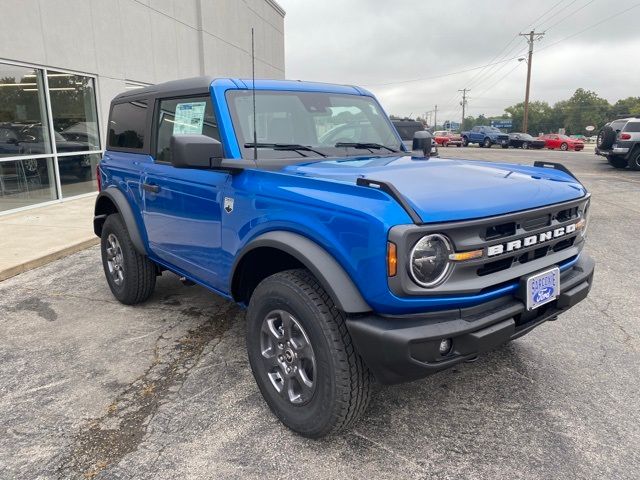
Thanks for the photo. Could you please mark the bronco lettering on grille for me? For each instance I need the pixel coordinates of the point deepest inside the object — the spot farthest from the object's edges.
(514, 245)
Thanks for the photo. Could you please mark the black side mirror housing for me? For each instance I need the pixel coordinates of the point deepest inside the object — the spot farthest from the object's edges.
(422, 141)
(195, 151)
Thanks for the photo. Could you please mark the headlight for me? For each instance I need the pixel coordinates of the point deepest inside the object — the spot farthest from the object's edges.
(429, 261)
(585, 217)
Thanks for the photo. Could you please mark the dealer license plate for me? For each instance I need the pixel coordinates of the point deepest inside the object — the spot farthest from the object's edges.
(543, 287)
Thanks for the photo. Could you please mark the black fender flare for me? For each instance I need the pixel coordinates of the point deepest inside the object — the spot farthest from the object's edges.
(320, 263)
(121, 203)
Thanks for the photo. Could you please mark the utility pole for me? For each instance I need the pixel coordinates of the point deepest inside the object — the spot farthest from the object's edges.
(435, 118)
(464, 105)
(530, 40)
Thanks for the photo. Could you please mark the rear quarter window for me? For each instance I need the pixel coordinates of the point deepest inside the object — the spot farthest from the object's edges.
(632, 127)
(127, 124)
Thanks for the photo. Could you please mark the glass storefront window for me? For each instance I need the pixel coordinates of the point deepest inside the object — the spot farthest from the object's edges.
(26, 182)
(73, 107)
(23, 118)
(78, 174)
(30, 169)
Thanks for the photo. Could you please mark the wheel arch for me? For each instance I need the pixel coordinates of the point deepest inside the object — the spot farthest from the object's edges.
(111, 201)
(276, 251)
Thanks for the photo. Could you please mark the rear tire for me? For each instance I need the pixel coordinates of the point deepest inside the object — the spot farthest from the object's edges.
(617, 162)
(329, 388)
(504, 146)
(564, 147)
(525, 145)
(634, 160)
(130, 275)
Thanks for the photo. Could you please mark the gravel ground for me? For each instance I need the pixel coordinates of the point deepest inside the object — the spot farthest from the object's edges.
(90, 388)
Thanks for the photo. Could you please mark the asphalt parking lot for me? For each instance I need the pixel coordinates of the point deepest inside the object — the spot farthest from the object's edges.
(90, 388)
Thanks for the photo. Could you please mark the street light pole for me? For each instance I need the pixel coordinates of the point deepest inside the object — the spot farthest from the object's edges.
(530, 40)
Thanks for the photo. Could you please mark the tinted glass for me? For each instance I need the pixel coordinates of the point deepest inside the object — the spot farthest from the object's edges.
(407, 131)
(632, 127)
(127, 125)
(23, 120)
(315, 119)
(183, 116)
(73, 107)
(618, 124)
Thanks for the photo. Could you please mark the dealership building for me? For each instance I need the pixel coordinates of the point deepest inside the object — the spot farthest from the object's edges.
(62, 61)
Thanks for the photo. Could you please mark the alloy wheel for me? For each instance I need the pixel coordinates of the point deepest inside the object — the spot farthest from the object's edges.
(115, 260)
(288, 357)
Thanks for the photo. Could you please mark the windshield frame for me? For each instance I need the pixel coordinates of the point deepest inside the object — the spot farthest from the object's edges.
(247, 152)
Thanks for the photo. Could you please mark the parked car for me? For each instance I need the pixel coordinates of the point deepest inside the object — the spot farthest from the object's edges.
(355, 262)
(407, 130)
(525, 141)
(619, 143)
(563, 142)
(485, 136)
(446, 138)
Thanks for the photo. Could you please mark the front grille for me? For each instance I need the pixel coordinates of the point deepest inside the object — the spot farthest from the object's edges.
(507, 256)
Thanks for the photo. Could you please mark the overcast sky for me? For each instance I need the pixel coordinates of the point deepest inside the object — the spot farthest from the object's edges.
(376, 42)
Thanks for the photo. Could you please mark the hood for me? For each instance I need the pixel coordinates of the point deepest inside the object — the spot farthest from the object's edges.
(443, 190)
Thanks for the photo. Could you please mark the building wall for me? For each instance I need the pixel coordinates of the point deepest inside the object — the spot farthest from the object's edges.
(144, 41)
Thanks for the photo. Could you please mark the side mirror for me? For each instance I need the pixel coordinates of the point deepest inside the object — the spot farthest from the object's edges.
(422, 141)
(195, 151)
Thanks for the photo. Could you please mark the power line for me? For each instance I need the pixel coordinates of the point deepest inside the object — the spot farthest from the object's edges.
(435, 76)
(579, 32)
(571, 14)
(556, 13)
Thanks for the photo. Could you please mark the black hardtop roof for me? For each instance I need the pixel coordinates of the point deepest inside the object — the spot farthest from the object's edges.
(186, 86)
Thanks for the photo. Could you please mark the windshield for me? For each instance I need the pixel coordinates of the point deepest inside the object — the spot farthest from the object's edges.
(315, 120)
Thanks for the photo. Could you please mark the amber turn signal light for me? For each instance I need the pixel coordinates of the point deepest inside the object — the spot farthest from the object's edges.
(392, 259)
(462, 256)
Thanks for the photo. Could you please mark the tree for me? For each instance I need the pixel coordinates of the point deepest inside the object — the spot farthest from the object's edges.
(625, 107)
(583, 108)
(540, 117)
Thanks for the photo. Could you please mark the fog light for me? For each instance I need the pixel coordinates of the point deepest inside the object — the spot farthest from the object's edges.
(445, 346)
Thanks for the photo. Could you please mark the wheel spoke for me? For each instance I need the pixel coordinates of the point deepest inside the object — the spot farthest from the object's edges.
(287, 323)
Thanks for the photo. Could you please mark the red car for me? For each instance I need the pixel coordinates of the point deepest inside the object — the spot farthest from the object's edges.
(553, 141)
(446, 138)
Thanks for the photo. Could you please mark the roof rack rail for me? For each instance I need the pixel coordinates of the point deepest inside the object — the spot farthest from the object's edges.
(392, 191)
(556, 166)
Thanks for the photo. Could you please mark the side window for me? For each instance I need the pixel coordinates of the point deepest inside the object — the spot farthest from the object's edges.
(183, 116)
(632, 127)
(475, 129)
(127, 125)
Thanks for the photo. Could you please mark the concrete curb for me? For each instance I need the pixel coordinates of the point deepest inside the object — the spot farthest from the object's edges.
(40, 261)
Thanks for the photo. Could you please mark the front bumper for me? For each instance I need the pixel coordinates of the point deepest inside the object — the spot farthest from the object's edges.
(399, 349)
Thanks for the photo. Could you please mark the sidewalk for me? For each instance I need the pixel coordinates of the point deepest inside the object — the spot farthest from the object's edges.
(32, 238)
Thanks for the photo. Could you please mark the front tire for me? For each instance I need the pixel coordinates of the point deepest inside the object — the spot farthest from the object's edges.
(465, 142)
(486, 143)
(525, 145)
(130, 275)
(302, 356)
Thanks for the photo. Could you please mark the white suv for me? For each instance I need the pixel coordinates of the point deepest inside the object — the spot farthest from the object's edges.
(619, 142)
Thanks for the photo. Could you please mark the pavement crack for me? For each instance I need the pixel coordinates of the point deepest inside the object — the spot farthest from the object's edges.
(102, 442)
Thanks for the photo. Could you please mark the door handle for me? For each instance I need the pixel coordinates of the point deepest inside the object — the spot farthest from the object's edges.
(149, 187)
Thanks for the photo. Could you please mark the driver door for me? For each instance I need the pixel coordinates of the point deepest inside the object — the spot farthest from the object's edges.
(182, 206)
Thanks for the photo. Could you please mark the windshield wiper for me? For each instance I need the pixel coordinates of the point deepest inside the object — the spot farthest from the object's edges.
(294, 147)
(367, 146)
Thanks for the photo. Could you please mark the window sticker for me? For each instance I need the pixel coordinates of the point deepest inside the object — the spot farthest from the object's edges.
(189, 118)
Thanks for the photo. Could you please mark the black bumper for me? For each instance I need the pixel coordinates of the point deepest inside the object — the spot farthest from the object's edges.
(400, 349)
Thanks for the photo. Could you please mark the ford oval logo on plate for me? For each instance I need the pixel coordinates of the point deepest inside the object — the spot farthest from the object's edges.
(543, 287)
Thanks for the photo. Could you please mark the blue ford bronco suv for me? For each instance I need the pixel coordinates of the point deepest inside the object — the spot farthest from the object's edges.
(356, 259)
